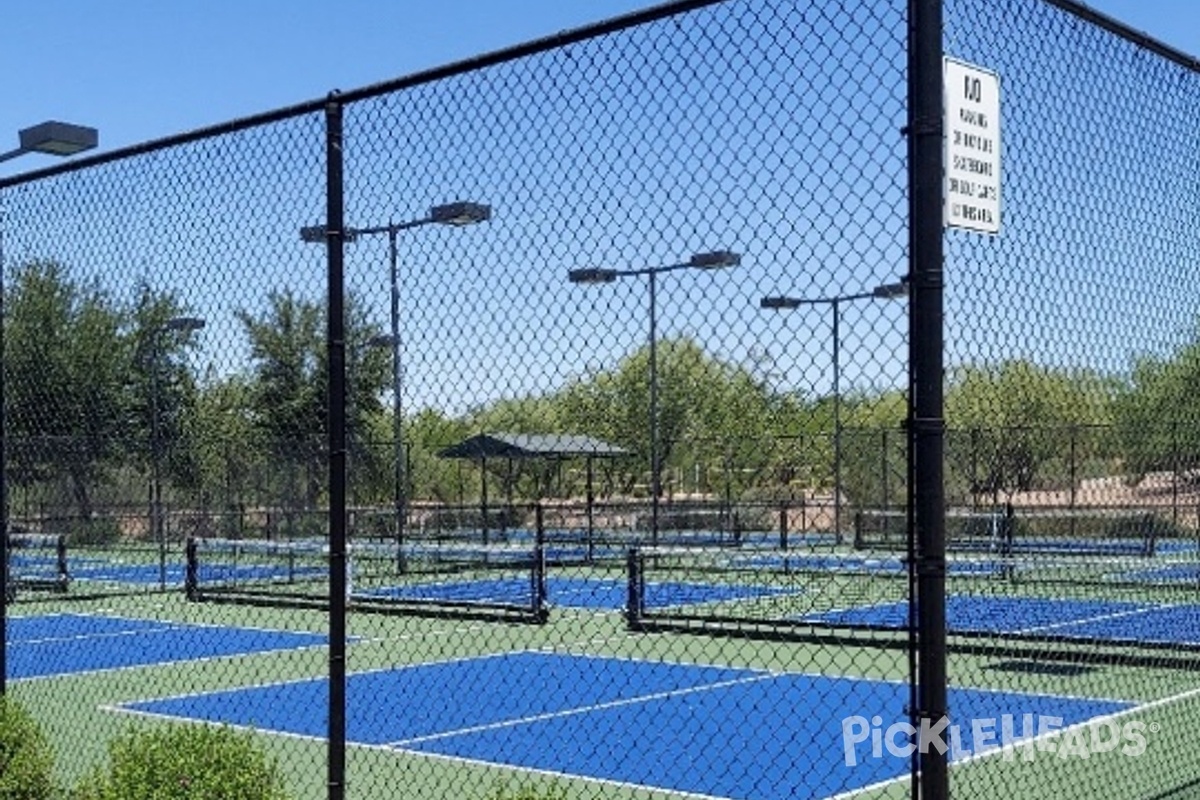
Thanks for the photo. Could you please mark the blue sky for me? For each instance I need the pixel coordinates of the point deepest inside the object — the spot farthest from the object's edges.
(143, 69)
(140, 70)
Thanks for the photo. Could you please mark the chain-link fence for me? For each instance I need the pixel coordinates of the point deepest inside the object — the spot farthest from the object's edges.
(571, 423)
(1068, 338)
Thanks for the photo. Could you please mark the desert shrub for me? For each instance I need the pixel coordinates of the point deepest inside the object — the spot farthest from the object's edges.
(26, 760)
(184, 762)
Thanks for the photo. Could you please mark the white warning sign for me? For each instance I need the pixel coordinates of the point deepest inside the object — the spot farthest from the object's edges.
(972, 125)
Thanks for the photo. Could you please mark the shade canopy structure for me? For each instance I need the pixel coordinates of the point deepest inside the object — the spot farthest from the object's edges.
(486, 446)
(510, 447)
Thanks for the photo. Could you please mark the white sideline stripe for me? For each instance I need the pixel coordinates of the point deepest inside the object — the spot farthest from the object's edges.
(1087, 620)
(1033, 740)
(87, 637)
(570, 712)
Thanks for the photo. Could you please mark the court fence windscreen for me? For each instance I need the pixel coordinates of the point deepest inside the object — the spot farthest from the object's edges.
(615, 416)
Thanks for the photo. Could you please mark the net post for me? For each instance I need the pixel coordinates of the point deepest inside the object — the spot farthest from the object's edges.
(1008, 548)
(635, 604)
(1150, 538)
(191, 573)
(858, 530)
(783, 524)
(539, 516)
(63, 575)
(541, 594)
(541, 600)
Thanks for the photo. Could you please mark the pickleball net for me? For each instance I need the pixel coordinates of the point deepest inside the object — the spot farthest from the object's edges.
(1043, 531)
(1066, 606)
(501, 582)
(37, 561)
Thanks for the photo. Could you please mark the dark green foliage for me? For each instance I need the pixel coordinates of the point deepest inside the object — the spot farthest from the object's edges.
(94, 531)
(26, 761)
(184, 762)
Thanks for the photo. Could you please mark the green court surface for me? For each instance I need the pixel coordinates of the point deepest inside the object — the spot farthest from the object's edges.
(82, 706)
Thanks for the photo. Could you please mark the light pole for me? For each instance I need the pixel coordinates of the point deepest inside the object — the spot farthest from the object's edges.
(718, 259)
(158, 530)
(887, 291)
(457, 214)
(55, 139)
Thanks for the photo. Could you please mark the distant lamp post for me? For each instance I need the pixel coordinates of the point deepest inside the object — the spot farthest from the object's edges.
(718, 259)
(887, 291)
(158, 529)
(54, 138)
(459, 214)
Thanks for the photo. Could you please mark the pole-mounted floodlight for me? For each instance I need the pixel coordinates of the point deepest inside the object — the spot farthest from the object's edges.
(55, 139)
(779, 303)
(592, 275)
(717, 259)
(890, 291)
(887, 291)
(460, 214)
(457, 214)
(185, 324)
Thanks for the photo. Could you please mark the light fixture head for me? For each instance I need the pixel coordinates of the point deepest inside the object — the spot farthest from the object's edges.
(382, 340)
(317, 234)
(890, 291)
(715, 260)
(185, 324)
(58, 138)
(462, 213)
(779, 303)
(592, 275)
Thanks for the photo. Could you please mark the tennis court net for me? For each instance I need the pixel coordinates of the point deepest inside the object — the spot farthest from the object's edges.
(506, 583)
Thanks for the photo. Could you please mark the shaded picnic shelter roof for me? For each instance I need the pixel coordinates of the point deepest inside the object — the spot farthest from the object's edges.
(486, 446)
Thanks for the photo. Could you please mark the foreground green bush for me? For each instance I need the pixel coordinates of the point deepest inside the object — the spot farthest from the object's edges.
(184, 762)
(26, 761)
(528, 793)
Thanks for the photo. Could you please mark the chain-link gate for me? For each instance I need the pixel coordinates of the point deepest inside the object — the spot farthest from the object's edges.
(570, 422)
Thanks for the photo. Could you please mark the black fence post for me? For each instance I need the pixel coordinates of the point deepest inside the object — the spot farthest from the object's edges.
(926, 425)
(336, 345)
(7, 587)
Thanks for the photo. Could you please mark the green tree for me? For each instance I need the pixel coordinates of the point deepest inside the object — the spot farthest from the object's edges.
(1013, 420)
(288, 392)
(67, 367)
(1157, 414)
(710, 412)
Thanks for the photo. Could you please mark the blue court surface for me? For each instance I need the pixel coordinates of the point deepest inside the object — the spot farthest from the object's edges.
(709, 731)
(858, 565)
(586, 593)
(1108, 620)
(1185, 574)
(63, 644)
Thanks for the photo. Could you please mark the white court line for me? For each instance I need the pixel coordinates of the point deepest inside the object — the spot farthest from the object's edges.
(571, 712)
(1032, 741)
(1086, 620)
